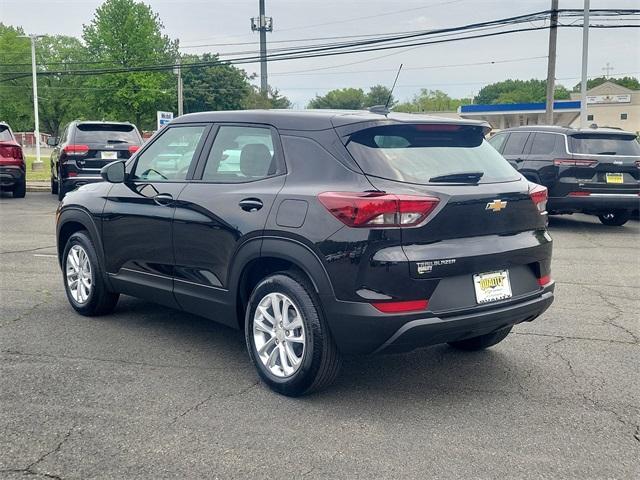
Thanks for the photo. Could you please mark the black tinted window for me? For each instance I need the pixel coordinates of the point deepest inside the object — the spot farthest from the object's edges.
(418, 153)
(544, 143)
(605, 144)
(106, 133)
(5, 134)
(515, 143)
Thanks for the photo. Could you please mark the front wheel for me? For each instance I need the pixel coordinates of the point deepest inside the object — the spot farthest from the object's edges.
(54, 186)
(84, 279)
(287, 337)
(617, 218)
(482, 341)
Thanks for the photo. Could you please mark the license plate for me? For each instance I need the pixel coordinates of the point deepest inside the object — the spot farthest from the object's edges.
(615, 178)
(109, 155)
(492, 286)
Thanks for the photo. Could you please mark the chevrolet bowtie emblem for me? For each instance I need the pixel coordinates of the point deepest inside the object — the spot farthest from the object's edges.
(496, 205)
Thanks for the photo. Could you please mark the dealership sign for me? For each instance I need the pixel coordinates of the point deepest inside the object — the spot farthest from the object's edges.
(164, 118)
(609, 99)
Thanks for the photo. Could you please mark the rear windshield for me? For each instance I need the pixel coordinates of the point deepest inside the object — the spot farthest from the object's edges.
(418, 153)
(106, 133)
(5, 134)
(604, 144)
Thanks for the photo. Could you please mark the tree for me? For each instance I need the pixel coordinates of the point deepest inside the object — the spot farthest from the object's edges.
(631, 83)
(273, 99)
(431, 101)
(518, 91)
(219, 87)
(126, 33)
(342, 98)
(379, 95)
(16, 98)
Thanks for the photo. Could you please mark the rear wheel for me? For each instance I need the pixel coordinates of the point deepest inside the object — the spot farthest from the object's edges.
(84, 279)
(287, 337)
(20, 189)
(61, 191)
(482, 341)
(616, 218)
(54, 186)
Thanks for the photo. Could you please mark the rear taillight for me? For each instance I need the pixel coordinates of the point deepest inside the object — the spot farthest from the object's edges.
(133, 149)
(378, 209)
(402, 307)
(545, 280)
(572, 162)
(76, 150)
(11, 151)
(539, 197)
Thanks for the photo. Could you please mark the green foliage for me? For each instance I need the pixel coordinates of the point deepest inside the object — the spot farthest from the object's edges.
(126, 33)
(378, 95)
(431, 101)
(256, 100)
(518, 91)
(353, 98)
(16, 98)
(631, 83)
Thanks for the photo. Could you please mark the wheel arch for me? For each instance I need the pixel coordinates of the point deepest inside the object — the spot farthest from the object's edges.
(73, 220)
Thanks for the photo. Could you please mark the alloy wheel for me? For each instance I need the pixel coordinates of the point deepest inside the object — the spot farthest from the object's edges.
(79, 276)
(279, 335)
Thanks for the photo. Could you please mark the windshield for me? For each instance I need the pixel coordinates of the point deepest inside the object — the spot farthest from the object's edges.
(420, 153)
(5, 134)
(605, 145)
(106, 133)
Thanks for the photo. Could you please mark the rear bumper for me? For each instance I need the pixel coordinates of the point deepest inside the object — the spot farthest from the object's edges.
(11, 175)
(359, 328)
(71, 183)
(594, 203)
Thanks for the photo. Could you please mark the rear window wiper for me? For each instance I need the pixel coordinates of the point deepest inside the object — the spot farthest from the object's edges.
(462, 177)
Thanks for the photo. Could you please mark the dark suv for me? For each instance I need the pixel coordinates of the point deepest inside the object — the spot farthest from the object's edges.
(318, 233)
(594, 171)
(84, 148)
(12, 166)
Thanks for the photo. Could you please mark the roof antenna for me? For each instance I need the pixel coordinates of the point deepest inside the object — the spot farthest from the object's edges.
(384, 109)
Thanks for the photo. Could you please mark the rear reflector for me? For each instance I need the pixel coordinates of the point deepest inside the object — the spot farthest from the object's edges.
(539, 197)
(134, 148)
(400, 307)
(76, 149)
(546, 280)
(572, 162)
(377, 209)
(579, 194)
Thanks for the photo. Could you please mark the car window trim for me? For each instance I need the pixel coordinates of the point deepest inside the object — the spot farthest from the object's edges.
(277, 146)
(131, 167)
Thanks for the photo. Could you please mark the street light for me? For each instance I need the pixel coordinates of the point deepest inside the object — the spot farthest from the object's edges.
(37, 165)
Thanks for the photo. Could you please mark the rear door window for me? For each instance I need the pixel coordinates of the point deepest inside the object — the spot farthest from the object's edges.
(543, 143)
(515, 144)
(418, 153)
(497, 141)
(106, 133)
(604, 144)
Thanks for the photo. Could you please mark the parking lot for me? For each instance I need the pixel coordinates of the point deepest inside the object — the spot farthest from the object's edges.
(153, 393)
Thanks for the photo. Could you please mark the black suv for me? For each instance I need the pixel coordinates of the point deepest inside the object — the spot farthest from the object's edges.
(594, 171)
(84, 148)
(318, 233)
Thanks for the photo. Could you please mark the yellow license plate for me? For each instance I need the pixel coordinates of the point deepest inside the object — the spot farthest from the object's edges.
(492, 286)
(614, 178)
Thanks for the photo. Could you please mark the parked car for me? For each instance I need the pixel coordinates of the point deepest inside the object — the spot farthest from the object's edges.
(334, 232)
(12, 167)
(84, 148)
(594, 171)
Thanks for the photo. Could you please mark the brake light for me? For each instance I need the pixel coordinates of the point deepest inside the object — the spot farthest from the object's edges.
(73, 150)
(545, 280)
(429, 127)
(378, 209)
(11, 151)
(579, 194)
(572, 162)
(539, 197)
(402, 307)
(133, 148)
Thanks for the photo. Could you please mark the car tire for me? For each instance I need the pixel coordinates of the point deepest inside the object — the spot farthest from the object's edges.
(481, 341)
(54, 186)
(91, 297)
(270, 342)
(20, 189)
(617, 218)
(61, 191)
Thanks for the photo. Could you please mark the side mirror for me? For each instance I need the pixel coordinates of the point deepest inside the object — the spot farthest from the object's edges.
(52, 141)
(114, 172)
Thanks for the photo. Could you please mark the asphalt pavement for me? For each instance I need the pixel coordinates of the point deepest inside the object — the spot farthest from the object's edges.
(152, 393)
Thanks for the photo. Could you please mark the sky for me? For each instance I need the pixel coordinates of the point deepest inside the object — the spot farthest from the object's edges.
(445, 67)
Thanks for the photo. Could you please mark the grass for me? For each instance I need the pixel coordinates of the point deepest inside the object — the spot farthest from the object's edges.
(38, 175)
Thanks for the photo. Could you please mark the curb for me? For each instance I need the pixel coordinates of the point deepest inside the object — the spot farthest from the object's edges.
(38, 187)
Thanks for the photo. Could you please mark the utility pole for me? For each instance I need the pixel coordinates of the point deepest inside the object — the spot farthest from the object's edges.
(263, 24)
(178, 71)
(37, 165)
(585, 58)
(551, 62)
(607, 70)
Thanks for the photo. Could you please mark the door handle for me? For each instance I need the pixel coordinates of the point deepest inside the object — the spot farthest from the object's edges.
(163, 199)
(250, 204)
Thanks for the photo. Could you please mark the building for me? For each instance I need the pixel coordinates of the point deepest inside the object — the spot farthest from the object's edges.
(27, 139)
(608, 105)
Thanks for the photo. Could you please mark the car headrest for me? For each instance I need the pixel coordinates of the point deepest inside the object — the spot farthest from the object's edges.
(255, 160)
